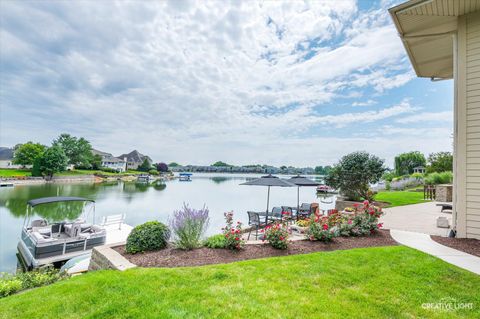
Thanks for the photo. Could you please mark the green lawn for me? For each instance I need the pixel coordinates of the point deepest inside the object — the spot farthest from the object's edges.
(400, 198)
(387, 282)
(6, 172)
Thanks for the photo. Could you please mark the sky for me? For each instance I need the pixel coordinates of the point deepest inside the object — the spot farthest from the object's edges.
(252, 82)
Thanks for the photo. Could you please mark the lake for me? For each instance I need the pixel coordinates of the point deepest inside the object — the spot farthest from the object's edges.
(219, 192)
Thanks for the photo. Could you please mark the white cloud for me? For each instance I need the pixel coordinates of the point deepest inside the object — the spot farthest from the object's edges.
(195, 81)
(446, 116)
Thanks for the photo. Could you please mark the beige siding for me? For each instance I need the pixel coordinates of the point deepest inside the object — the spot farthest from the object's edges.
(472, 85)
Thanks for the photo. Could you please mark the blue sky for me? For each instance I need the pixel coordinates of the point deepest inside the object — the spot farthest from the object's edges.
(284, 83)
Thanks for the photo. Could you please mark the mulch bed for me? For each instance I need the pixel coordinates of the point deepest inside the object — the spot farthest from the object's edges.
(171, 257)
(468, 245)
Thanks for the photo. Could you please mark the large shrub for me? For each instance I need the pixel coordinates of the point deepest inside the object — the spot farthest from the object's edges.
(188, 226)
(148, 236)
(354, 173)
(439, 178)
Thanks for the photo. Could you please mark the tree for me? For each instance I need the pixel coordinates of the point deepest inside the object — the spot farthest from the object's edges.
(145, 166)
(220, 164)
(53, 161)
(25, 154)
(173, 164)
(406, 162)
(354, 173)
(96, 162)
(322, 170)
(440, 162)
(161, 167)
(77, 150)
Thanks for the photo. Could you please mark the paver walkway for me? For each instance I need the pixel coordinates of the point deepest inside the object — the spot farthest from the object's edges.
(424, 243)
(421, 218)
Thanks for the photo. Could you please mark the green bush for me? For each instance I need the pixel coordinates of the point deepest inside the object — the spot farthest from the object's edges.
(108, 170)
(148, 236)
(439, 178)
(9, 287)
(417, 175)
(10, 284)
(215, 241)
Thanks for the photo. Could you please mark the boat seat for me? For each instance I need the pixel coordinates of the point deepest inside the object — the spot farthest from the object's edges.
(39, 223)
(39, 238)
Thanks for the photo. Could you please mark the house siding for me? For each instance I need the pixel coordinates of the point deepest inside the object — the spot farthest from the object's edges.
(472, 100)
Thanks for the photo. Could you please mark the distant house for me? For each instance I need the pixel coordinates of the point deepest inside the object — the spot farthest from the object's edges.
(110, 161)
(6, 158)
(135, 159)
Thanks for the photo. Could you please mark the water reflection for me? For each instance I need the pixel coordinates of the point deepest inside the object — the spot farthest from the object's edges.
(142, 203)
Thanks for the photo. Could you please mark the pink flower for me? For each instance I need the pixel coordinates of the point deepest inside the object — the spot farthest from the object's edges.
(366, 203)
(349, 222)
(380, 225)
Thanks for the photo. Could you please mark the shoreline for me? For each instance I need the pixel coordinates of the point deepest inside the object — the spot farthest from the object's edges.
(72, 179)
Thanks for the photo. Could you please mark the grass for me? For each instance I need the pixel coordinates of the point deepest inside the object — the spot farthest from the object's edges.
(400, 198)
(7, 172)
(387, 282)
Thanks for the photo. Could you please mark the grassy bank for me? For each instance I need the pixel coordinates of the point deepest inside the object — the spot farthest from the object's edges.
(387, 282)
(21, 173)
(400, 198)
(5, 172)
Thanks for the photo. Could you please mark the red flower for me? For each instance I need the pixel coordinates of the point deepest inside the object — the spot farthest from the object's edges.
(365, 203)
(236, 238)
(325, 227)
(380, 225)
(281, 237)
(355, 205)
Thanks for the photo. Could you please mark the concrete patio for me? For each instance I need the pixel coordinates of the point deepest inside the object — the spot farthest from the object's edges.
(419, 218)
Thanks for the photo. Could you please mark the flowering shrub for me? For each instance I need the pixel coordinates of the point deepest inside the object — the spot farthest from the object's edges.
(233, 234)
(276, 235)
(188, 226)
(363, 222)
(320, 227)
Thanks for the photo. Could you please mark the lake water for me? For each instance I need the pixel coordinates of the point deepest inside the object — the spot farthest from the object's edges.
(219, 192)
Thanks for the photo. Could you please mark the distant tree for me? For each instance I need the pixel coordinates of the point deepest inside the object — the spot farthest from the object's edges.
(173, 164)
(161, 167)
(96, 162)
(406, 162)
(53, 161)
(283, 167)
(354, 173)
(220, 163)
(25, 154)
(322, 170)
(440, 162)
(145, 166)
(77, 150)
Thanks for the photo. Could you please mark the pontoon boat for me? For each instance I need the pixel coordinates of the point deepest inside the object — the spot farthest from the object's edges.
(53, 242)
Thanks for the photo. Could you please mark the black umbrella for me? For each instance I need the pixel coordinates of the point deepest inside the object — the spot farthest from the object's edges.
(301, 181)
(269, 180)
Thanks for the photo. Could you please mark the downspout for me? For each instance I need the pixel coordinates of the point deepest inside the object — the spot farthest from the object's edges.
(455, 134)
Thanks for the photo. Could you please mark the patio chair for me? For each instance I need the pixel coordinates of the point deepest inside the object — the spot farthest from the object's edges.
(255, 222)
(304, 211)
(288, 213)
(276, 214)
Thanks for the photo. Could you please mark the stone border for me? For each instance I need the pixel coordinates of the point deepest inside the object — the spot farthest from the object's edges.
(104, 257)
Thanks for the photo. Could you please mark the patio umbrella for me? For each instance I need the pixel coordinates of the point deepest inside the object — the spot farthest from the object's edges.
(301, 181)
(269, 180)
